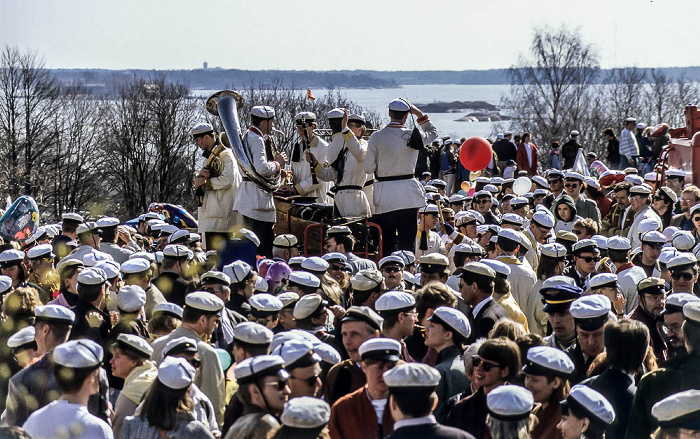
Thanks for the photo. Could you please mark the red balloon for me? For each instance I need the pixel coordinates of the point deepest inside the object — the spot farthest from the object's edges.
(475, 153)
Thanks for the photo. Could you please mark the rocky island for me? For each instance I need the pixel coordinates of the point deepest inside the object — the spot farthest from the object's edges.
(473, 111)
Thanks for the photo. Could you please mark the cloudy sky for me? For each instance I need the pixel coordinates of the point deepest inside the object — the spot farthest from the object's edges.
(331, 35)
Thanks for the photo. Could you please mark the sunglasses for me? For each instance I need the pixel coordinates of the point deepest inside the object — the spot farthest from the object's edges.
(696, 218)
(477, 361)
(310, 381)
(571, 185)
(558, 180)
(483, 201)
(577, 232)
(589, 259)
(391, 269)
(658, 198)
(685, 276)
(337, 267)
(279, 384)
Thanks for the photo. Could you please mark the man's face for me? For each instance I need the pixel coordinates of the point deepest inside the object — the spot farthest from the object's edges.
(426, 278)
(276, 391)
(354, 334)
(408, 322)
(580, 233)
(204, 141)
(468, 292)
(470, 231)
(651, 251)
(556, 183)
(540, 233)
(507, 208)
(217, 290)
(305, 381)
(374, 371)
(682, 281)
(674, 324)
(210, 324)
(430, 221)
(393, 275)
(266, 126)
(585, 262)
(622, 198)
(637, 202)
(591, 341)
(308, 132)
(563, 324)
(572, 188)
(449, 218)
(676, 184)
(330, 246)
(653, 303)
(483, 204)
(688, 200)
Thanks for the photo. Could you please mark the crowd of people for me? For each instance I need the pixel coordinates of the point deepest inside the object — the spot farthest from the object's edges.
(569, 311)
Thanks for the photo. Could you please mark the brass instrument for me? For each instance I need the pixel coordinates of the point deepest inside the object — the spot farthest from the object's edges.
(224, 104)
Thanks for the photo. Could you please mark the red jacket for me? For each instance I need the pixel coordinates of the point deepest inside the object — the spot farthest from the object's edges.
(353, 417)
(521, 159)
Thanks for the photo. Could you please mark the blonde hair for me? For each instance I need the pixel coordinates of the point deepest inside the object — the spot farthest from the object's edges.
(21, 302)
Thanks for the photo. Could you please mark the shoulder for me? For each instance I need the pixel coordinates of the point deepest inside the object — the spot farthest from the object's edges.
(196, 429)
(350, 398)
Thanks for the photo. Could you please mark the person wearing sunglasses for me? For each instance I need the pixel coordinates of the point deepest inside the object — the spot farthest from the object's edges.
(689, 198)
(652, 244)
(497, 362)
(684, 273)
(264, 390)
(573, 186)
(303, 366)
(586, 256)
(392, 269)
(482, 203)
(652, 297)
(663, 203)
(365, 412)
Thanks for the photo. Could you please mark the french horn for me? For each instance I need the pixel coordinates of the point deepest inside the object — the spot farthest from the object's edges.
(225, 104)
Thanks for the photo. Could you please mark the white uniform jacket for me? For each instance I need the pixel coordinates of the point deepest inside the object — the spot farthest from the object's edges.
(388, 155)
(303, 180)
(628, 279)
(215, 214)
(351, 202)
(252, 200)
(435, 245)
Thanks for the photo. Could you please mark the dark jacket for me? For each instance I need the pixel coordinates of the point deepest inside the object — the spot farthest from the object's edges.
(343, 378)
(453, 379)
(505, 150)
(657, 341)
(568, 153)
(470, 415)
(429, 431)
(91, 323)
(173, 286)
(614, 151)
(619, 389)
(581, 364)
(485, 320)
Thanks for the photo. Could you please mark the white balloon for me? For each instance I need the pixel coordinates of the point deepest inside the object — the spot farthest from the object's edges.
(521, 186)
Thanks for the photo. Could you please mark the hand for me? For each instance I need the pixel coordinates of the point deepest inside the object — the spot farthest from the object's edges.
(311, 158)
(416, 111)
(204, 173)
(199, 181)
(630, 161)
(344, 123)
(281, 158)
(338, 311)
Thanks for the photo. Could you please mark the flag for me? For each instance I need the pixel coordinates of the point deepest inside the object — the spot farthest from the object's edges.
(580, 164)
(309, 95)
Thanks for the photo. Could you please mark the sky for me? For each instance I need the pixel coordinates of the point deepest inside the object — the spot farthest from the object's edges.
(333, 35)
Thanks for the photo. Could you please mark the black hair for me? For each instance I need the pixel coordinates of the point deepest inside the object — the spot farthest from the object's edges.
(69, 379)
(192, 315)
(397, 115)
(89, 293)
(507, 244)
(618, 255)
(414, 404)
(626, 343)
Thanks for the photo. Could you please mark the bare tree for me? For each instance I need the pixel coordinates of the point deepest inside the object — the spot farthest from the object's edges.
(551, 87)
(147, 153)
(624, 90)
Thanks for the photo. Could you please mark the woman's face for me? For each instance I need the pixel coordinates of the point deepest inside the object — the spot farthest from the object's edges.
(572, 427)
(540, 387)
(564, 212)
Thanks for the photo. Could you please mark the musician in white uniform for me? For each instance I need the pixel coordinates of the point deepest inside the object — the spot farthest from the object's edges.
(343, 165)
(306, 181)
(254, 202)
(397, 194)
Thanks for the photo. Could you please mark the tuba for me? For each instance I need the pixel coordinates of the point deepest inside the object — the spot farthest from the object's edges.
(224, 104)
